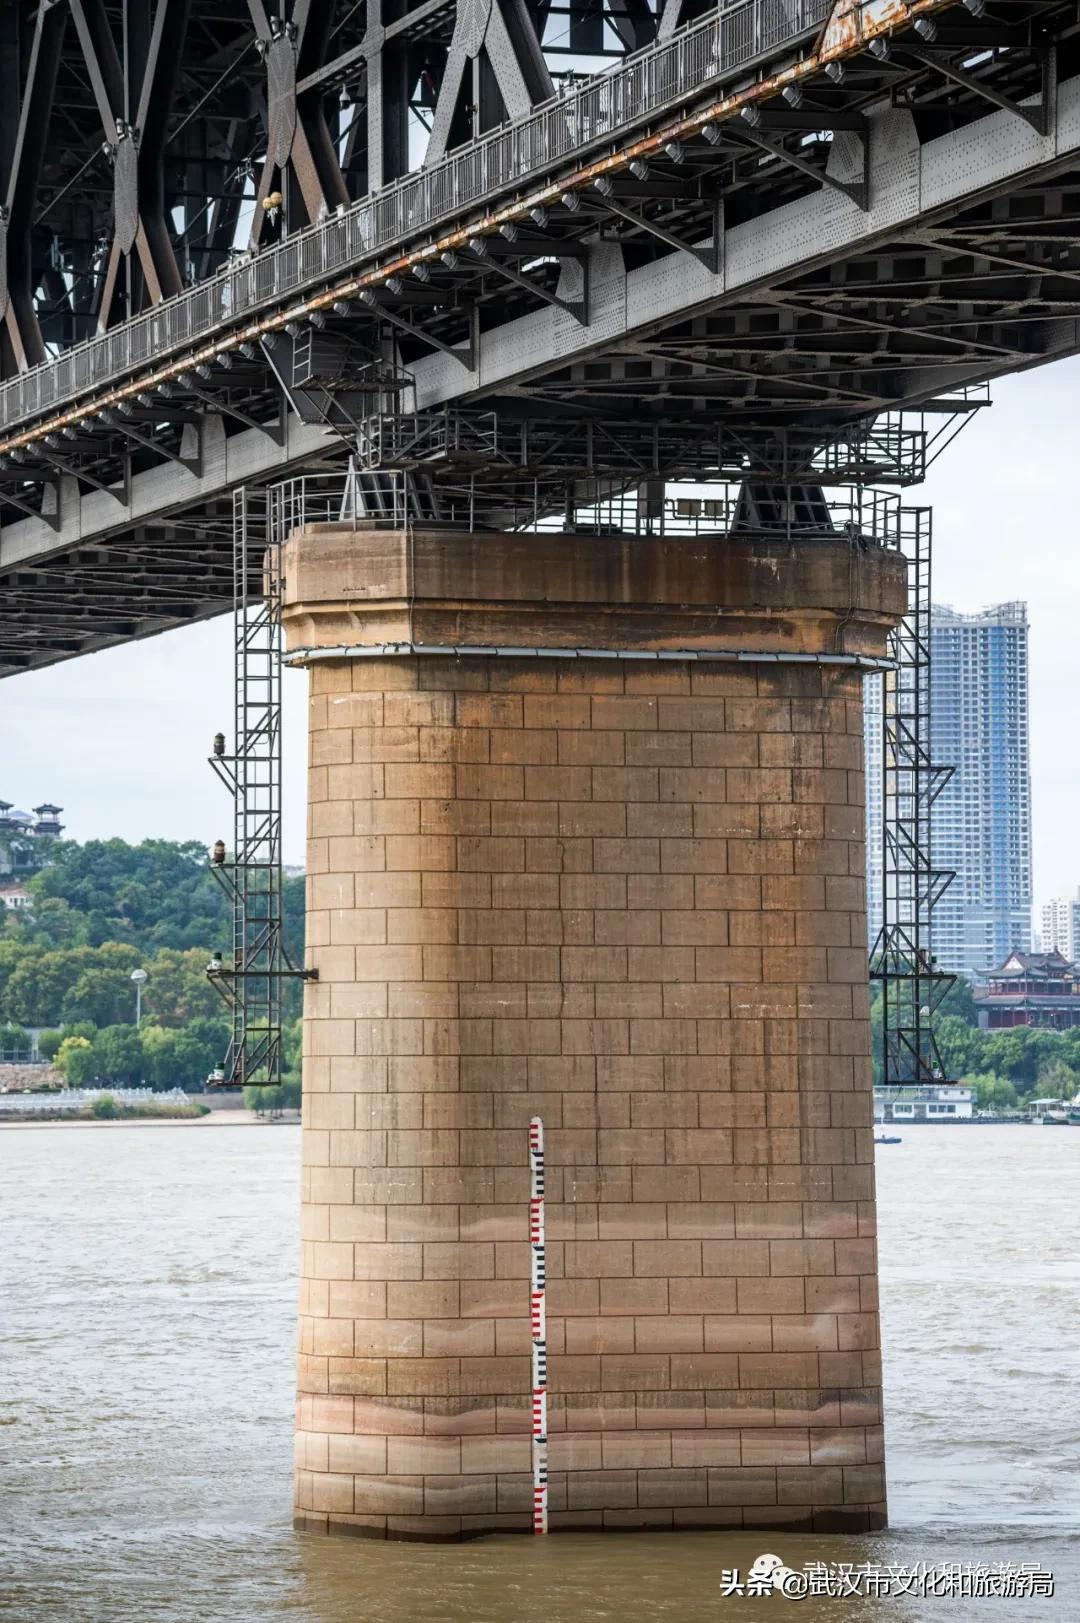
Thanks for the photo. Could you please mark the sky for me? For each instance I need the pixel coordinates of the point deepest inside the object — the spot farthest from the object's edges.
(120, 739)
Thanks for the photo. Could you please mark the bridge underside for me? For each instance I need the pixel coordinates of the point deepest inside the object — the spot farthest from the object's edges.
(738, 301)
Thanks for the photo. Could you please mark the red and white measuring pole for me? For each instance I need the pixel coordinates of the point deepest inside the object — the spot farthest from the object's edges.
(538, 1316)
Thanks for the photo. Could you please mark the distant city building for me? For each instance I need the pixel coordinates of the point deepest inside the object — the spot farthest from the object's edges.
(1061, 926)
(981, 821)
(13, 894)
(24, 839)
(1030, 989)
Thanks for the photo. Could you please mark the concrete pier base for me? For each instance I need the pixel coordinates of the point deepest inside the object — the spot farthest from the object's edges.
(627, 895)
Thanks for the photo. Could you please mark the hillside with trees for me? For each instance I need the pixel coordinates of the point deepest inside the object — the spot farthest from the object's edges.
(97, 912)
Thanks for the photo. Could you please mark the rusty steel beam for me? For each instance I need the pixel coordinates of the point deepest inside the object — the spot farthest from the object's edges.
(846, 36)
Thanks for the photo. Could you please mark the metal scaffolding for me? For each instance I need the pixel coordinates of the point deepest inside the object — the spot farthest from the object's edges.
(902, 958)
(503, 484)
(251, 874)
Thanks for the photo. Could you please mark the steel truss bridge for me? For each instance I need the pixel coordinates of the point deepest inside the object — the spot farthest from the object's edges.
(516, 261)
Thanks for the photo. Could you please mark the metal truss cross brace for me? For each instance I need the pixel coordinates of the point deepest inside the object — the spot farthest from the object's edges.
(858, 192)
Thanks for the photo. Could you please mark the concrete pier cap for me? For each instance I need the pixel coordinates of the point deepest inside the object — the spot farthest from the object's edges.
(586, 842)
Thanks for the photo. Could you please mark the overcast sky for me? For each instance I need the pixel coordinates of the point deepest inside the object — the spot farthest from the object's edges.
(120, 739)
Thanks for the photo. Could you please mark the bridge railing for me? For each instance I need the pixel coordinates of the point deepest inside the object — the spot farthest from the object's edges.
(74, 1099)
(654, 79)
(714, 511)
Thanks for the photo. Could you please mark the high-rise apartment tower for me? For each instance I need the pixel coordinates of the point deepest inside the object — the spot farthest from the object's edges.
(981, 825)
(1061, 926)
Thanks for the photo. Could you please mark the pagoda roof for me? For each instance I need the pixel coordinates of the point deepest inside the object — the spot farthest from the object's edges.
(1032, 966)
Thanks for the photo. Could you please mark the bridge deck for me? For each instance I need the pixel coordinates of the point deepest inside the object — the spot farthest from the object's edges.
(774, 271)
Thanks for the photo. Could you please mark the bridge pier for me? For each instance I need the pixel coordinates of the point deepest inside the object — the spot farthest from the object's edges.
(625, 894)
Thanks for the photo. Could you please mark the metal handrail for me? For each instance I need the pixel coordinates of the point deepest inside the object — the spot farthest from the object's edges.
(654, 78)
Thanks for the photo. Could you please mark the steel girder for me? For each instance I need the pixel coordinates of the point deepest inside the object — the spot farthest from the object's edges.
(716, 303)
(143, 142)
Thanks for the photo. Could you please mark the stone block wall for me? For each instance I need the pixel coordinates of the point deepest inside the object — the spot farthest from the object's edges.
(627, 897)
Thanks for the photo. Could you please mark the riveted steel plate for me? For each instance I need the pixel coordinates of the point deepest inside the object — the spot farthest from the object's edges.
(985, 153)
(281, 98)
(126, 193)
(472, 23)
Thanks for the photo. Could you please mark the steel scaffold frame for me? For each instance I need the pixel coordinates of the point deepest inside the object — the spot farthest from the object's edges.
(902, 958)
(252, 874)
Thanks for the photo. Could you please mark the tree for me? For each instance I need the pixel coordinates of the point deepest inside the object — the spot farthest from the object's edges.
(1057, 1080)
(959, 1002)
(48, 1042)
(877, 1029)
(195, 1059)
(14, 1039)
(993, 1092)
(118, 1055)
(959, 1044)
(75, 1061)
(182, 1058)
(159, 893)
(1019, 1054)
(292, 1036)
(178, 990)
(159, 1056)
(12, 952)
(104, 996)
(36, 988)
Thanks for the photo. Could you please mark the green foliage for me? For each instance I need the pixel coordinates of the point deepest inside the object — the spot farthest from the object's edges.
(105, 997)
(993, 1092)
(960, 1044)
(154, 1056)
(99, 911)
(93, 985)
(272, 1101)
(75, 1061)
(178, 991)
(157, 894)
(14, 1039)
(959, 1002)
(1057, 1079)
(291, 1044)
(49, 1042)
(118, 1055)
(184, 1058)
(105, 1107)
(1019, 1054)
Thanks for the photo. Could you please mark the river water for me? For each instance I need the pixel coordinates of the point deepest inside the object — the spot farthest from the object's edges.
(146, 1341)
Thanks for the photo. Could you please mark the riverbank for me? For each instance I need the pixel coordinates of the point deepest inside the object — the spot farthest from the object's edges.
(213, 1118)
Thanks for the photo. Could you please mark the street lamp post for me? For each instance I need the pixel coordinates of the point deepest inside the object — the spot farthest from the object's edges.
(140, 978)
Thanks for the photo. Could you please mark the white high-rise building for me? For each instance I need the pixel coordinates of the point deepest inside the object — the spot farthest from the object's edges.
(1061, 926)
(981, 821)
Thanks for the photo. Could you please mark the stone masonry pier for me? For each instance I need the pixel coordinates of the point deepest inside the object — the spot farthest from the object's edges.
(626, 895)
